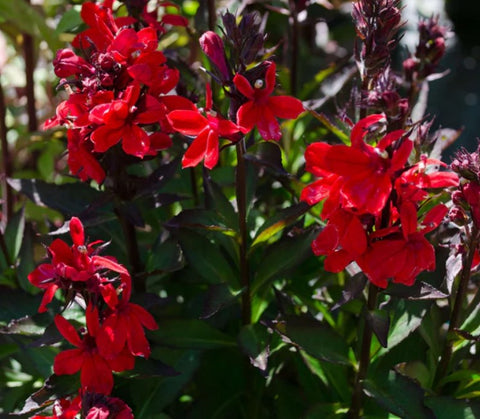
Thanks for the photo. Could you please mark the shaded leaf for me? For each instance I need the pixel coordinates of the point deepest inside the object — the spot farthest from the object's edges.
(279, 221)
(284, 254)
(453, 266)
(352, 289)
(218, 297)
(418, 291)
(151, 368)
(14, 234)
(70, 199)
(445, 407)
(254, 339)
(56, 386)
(399, 395)
(165, 256)
(190, 334)
(217, 201)
(316, 338)
(202, 219)
(379, 322)
(27, 326)
(268, 155)
(205, 257)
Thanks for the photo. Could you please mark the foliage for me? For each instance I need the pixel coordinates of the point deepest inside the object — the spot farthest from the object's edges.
(219, 218)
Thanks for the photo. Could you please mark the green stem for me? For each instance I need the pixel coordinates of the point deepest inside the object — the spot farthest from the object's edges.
(241, 191)
(356, 404)
(455, 316)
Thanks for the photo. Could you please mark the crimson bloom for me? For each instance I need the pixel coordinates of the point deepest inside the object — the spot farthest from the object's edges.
(95, 370)
(402, 255)
(123, 325)
(72, 267)
(121, 119)
(262, 109)
(207, 130)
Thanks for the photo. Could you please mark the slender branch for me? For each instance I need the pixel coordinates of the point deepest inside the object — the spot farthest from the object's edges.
(212, 14)
(6, 161)
(294, 48)
(29, 57)
(455, 316)
(241, 189)
(356, 404)
(133, 252)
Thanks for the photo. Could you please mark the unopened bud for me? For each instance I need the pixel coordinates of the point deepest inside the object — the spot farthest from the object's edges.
(212, 46)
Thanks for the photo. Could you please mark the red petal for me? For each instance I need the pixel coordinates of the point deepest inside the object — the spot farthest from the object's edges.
(47, 297)
(67, 330)
(61, 252)
(76, 232)
(68, 362)
(247, 116)
(112, 336)
(270, 77)
(315, 158)
(347, 161)
(360, 129)
(243, 86)
(337, 261)
(327, 241)
(96, 375)
(286, 107)
(92, 320)
(187, 122)
(137, 342)
(196, 152)
(268, 126)
(316, 191)
(434, 217)
(123, 361)
(104, 137)
(109, 263)
(145, 318)
(136, 141)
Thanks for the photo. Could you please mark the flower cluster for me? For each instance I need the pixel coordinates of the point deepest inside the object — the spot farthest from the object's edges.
(119, 88)
(114, 332)
(373, 203)
(250, 92)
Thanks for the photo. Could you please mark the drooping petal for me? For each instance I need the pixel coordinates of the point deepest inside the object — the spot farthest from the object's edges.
(268, 126)
(135, 141)
(347, 161)
(67, 330)
(109, 263)
(247, 116)
(112, 336)
(104, 137)
(326, 241)
(47, 297)
(136, 341)
(96, 375)
(144, 317)
(197, 150)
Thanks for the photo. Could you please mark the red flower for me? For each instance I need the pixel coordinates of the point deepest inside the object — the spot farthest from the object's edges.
(98, 406)
(207, 131)
(96, 371)
(81, 161)
(121, 119)
(124, 325)
(366, 172)
(72, 266)
(261, 109)
(402, 256)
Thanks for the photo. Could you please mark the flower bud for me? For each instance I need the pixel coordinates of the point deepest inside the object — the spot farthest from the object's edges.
(212, 46)
(67, 63)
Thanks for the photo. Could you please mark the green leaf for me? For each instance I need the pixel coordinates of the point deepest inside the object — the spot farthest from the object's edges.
(165, 256)
(190, 334)
(14, 234)
(341, 135)
(279, 221)
(28, 20)
(206, 258)
(285, 254)
(445, 407)
(27, 326)
(70, 199)
(200, 219)
(70, 20)
(316, 338)
(399, 395)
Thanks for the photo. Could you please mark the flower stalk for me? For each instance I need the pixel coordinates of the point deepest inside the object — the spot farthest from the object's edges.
(456, 314)
(364, 362)
(241, 189)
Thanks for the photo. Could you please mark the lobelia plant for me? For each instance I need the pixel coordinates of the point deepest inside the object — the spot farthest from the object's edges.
(319, 263)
